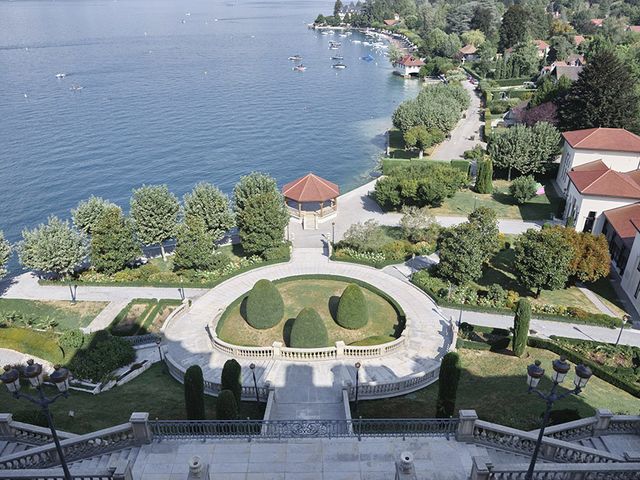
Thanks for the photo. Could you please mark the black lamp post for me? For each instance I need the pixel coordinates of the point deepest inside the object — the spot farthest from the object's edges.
(35, 375)
(159, 344)
(255, 383)
(625, 319)
(333, 232)
(560, 370)
(358, 365)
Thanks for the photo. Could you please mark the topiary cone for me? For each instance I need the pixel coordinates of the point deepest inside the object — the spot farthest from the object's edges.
(352, 308)
(265, 307)
(308, 330)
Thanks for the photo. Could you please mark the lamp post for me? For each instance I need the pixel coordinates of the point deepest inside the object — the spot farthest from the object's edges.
(560, 369)
(358, 365)
(159, 343)
(333, 232)
(255, 383)
(625, 319)
(35, 375)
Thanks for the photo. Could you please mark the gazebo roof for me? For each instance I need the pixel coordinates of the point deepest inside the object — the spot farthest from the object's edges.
(310, 188)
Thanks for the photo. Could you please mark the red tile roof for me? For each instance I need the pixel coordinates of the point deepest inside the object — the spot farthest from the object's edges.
(634, 28)
(541, 44)
(391, 22)
(593, 179)
(578, 39)
(595, 166)
(597, 21)
(607, 139)
(310, 188)
(624, 220)
(410, 61)
(468, 50)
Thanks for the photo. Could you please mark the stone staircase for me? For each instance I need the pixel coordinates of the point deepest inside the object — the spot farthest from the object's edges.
(9, 447)
(106, 460)
(594, 442)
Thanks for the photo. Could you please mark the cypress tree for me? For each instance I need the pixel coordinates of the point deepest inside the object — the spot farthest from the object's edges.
(194, 393)
(484, 176)
(521, 326)
(230, 379)
(450, 370)
(226, 406)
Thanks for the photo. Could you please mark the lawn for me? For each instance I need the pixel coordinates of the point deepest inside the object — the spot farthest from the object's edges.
(322, 295)
(398, 149)
(542, 207)
(495, 386)
(142, 316)
(39, 344)
(154, 391)
(68, 315)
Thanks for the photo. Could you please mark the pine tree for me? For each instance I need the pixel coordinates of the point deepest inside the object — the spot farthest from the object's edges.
(514, 27)
(521, 326)
(450, 370)
(194, 393)
(605, 95)
(484, 176)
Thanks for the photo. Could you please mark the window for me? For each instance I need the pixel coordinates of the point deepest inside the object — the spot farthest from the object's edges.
(635, 294)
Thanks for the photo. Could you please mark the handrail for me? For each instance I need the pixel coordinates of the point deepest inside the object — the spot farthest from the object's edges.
(29, 434)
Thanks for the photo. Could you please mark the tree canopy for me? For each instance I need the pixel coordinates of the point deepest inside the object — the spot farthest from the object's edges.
(113, 242)
(210, 205)
(5, 253)
(89, 211)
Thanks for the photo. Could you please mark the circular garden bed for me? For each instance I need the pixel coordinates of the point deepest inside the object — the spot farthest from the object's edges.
(384, 317)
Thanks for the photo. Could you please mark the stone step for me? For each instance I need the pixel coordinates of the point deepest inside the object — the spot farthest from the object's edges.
(106, 460)
(9, 448)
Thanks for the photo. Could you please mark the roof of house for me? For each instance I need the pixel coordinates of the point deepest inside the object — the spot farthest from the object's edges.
(575, 58)
(572, 72)
(310, 188)
(468, 50)
(593, 179)
(410, 61)
(624, 220)
(606, 139)
(391, 22)
(597, 21)
(634, 28)
(541, 44)
(578, 39)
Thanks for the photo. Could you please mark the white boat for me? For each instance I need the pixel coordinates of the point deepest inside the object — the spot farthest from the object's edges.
(356, 41)
(61, 75)
(337, 57)
(343, 35)
(339, 66)
(295, 58)
(324, 33)
(299, 68)
(76, 88)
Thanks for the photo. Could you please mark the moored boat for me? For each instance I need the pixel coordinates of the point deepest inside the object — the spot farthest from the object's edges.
(295, 58)
(299, 68)
(339, 66)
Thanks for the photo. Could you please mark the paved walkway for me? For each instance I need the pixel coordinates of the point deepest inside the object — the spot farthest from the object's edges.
(597, 302)
(314, 382)
(461, 136)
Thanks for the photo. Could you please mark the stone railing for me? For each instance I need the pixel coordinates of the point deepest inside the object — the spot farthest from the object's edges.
(135, 432)
(26, 433)
(136, 340)
(177, 371)
(483, 469)
(121, 471)
(278, 351)
(408, 384)
(510, 439)
(603, 423)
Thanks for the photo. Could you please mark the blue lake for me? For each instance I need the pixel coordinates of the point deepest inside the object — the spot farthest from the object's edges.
(178, 92)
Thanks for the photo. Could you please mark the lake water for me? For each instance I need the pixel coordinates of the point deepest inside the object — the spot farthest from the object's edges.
(177, 92)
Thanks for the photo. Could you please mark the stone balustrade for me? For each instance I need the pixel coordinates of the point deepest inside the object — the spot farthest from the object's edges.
(26, 433)
(404, 385)
(121, 471)
(603, 423)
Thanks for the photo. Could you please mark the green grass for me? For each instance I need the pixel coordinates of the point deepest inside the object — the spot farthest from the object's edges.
(67, 314)
(141, 316)
(465, 201)
(398, 149)
(154, 391)
(39, 344)
(322, 295)
(495, 386)
(603, 289)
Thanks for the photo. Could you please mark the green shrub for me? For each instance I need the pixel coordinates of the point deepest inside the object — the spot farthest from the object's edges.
(71, 339)
(484, 177)
(434, 286)
(226, 406)
(462, 165)
(101, 355)
(265, 307)
(523, 189)
(396, 250)
(497, 294)
(194, 393)
(281, 252)
(308, 330)
(499, 107)
(521, 326)
(231, 378)
(450, 371)
(352, 308)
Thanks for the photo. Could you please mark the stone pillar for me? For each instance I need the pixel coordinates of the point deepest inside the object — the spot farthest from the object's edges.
(466, 426)
(123, 471)
(277, 349)
(141, 429)
(5, 425)
(481, 468)
(603, 419)
(405, 469)
(340, 349)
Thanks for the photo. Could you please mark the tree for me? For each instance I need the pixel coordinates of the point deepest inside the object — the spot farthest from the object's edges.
(154, 210)
(549, 90)
(113, 243)
(418, 137)
(231, 379)
(308, 330)
(226, 406)
(524, 60)
(53, 248)
(561, 48)
(320, 20)
(521, 326)
(249, 186)
(352, 308)
(485, 220)
(591, 259)
(461, 254)
(265, 306)
(542, 259)
(337, 8)
(5, 253)
(473, 37)
(394, 53)
(450, 371)
(262, 223)
(523, 189)
(89, 211)
(194, 393)
(208, 203)
(514, 27)
(484, 177)
(605, 95)
(484, 18)
(194, 245)
(418, 224)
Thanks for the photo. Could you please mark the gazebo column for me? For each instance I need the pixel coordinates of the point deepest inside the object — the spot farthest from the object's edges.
(299, 209)
(322, 208)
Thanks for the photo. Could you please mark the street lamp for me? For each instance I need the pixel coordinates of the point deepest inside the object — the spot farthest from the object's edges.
(358, 365)
(333, 232)
(560, 369)
(33, 372)
(625, 319)
(158, 343)
(255, 383)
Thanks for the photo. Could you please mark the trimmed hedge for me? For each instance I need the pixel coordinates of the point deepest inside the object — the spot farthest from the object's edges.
(101, 355)
(391, 164)
(308, 330)
(463, 165)
(512, 82)
(230, 378)
(194, 393)
(226, 406)
(521, 326)
(352, 308)
(450, 371)
(265, 307)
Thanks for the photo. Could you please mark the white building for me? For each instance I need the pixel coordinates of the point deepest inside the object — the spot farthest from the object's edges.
(617, 148)
(631, 276)
(408, 66)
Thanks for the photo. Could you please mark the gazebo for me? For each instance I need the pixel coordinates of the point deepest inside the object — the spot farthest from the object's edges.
(309, 195)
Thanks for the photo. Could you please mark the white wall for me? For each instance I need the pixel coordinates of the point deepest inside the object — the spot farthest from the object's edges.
(631, 276)
(585, 204)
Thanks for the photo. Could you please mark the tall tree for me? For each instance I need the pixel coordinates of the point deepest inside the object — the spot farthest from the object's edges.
(484, 176)
(591, 259)
(605, 95)
(113, 242)
(194, 393)
(231, 379)
(88, 212)
(262, 222)
(514, 28)
(521, 326)
(450, 371)
(251, 185)
(208, 203)
(337, 8)
(5, 253)
(154, 210)
(542, 259)
(485, 220)
(194, 246)
(54, 247)
(461, 254)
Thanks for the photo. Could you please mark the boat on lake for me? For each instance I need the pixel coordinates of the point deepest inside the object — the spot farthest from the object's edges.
(339, 66)
(295, 58)
(76, 88)
(299, 68)
(337, 57)
(61, 75)
(356, 41)
(367, 58)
